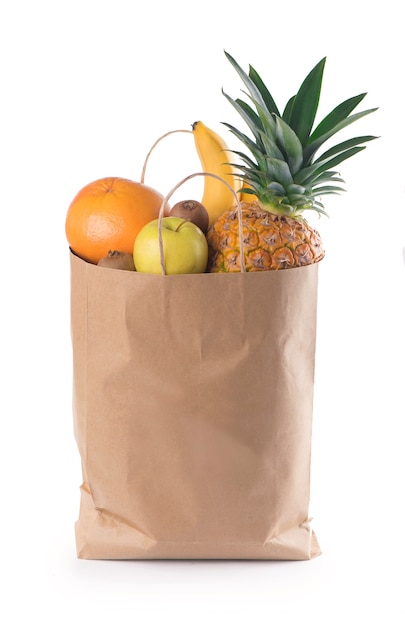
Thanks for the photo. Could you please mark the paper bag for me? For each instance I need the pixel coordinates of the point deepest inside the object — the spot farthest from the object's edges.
(192, 410)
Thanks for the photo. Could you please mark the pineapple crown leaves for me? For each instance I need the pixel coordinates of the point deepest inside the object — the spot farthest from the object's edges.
(283, 169)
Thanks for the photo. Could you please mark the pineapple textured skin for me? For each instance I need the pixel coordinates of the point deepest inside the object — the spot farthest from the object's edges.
(270, 242)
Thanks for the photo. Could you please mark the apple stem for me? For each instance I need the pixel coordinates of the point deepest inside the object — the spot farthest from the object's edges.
(171, 132)
(180, 225)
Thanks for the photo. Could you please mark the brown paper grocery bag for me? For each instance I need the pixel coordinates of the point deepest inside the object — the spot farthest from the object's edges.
(193, 413)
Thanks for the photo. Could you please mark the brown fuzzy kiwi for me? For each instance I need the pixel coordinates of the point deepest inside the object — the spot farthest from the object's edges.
(118, 260)
(192, 211)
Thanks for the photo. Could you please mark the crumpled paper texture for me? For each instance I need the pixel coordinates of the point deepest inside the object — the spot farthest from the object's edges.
(192, 404)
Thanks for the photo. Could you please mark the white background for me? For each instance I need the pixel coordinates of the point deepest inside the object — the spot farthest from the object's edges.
(86, 88)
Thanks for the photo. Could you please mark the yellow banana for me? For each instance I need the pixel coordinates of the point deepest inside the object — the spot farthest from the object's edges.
(215, 158)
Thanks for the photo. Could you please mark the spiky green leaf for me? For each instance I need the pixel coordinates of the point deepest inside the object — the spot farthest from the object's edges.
(255, 149)
(311, 149)
(255, 119)
(327, 176)
(287, 110)
(244, 157)
(266, 118)
(266, 95)
(344, 145)
(270, 147)
(306, 175)
(305, 104)
(277, 189)
(252, 89)
(339, 113)
(327, 189)
(278, 171)
(245, 116)
(290, 145)
(249, 143)
(247, 190)
(318, 207)
(298, 189)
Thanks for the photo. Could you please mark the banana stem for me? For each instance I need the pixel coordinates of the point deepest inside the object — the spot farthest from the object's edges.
(171, 132)
(167, 198)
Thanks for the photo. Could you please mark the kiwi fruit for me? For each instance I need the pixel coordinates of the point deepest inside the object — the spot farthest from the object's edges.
(192, 211)
(117, 260)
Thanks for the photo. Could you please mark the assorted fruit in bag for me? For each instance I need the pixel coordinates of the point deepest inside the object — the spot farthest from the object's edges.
(284, 172)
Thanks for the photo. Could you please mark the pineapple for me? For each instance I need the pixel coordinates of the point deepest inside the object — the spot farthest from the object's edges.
(282, 176)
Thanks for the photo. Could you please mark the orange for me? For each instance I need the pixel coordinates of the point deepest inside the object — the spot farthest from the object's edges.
(107, 214)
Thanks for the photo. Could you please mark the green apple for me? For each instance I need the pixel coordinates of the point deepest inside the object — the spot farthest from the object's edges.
(185, 247)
